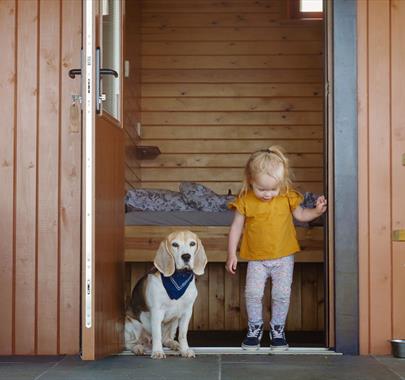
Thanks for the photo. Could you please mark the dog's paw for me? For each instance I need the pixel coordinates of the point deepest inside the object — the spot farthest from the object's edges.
(158, 355)
(172, 344)
(189, 353)
(138, 349)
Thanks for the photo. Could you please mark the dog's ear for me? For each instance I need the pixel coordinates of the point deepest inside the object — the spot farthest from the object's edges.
(164, 261)
(200, 259)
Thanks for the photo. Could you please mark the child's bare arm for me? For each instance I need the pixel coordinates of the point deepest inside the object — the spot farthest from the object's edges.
(308, 214)
(234, 235)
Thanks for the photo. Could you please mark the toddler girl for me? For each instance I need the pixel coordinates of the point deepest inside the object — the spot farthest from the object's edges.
(263, 212)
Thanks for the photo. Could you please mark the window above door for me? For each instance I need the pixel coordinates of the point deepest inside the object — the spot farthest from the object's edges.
(305, 9)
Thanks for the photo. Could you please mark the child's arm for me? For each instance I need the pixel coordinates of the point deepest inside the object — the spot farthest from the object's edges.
(308, 214)
(234, 236)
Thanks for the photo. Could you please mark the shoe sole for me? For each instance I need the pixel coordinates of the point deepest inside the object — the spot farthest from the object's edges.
(279, 348)
(250, 348)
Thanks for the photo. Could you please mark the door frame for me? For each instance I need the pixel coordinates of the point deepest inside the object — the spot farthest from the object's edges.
(345, 176)
(102, 140)
(342, 329)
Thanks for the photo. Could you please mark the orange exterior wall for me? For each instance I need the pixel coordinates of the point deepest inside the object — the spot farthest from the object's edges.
(381, 118)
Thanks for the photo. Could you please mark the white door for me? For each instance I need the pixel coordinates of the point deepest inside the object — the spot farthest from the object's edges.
(103, 180)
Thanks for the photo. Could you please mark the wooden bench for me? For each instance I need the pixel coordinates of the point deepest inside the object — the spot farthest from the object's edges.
(141, 242)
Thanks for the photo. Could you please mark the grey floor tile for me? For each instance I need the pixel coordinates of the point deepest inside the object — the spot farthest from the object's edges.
(397, 365)
(308, 368)
(134, 368)
(26, 367)
(204, 367)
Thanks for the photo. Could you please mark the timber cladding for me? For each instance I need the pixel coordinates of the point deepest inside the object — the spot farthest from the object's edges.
(220, 304)
(220, 80)
(40, 175)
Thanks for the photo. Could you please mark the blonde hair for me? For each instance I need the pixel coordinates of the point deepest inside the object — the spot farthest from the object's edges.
(272, 162)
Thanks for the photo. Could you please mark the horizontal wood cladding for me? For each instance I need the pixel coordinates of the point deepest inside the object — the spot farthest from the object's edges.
(220, 304)
(235, 146)
(235, 90)
(209, 19)
(223, 79)
(310, 32)
(232, 76)
(132, 87)
(197, 6)
(214, 48)
(236, 132)
(221, 118)
(233, 62)
(230, 174)
(215, 104)
(225, 160)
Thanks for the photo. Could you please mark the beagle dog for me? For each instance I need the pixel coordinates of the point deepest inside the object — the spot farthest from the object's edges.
(163, 299)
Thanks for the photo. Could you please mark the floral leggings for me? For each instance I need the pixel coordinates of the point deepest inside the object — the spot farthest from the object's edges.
(281, 272)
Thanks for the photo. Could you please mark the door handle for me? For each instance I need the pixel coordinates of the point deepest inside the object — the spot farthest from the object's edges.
(99, 73)
(109, 72)
(398, 235)
(73, 72)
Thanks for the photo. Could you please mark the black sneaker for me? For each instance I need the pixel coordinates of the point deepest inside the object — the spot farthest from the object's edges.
(253, 336)
(277, 337)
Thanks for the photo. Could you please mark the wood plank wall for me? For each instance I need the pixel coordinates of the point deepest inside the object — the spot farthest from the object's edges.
(40, 171)
(222, 79)
(132, 90)
(381, 84)
(220, 304)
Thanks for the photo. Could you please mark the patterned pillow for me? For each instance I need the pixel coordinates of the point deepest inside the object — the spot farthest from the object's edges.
(204, 199)
(155, 200)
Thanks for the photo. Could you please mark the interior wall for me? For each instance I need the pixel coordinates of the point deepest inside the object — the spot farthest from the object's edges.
(220, 304)
(40, 175)
(222, 79)
(132, 90)
(381, 83)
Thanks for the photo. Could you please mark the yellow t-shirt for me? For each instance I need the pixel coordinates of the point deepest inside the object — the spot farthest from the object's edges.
(269, 232)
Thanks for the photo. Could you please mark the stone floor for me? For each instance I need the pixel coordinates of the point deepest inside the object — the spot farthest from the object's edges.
(204, 367)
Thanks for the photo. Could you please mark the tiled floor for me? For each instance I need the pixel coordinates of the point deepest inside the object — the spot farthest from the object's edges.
(204, 367)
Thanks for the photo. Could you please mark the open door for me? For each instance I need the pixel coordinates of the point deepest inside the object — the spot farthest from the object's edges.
(103, 180)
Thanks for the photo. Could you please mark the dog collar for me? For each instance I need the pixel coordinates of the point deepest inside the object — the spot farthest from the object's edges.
(177, 283)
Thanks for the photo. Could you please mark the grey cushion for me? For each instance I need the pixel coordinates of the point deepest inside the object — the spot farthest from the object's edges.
(204, 199)
(178, 218)
(155, 200)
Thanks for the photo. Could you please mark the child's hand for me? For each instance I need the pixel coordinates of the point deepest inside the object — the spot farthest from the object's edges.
(321, 204)
(231, 264)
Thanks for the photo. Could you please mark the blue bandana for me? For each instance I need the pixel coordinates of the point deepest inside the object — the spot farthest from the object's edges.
(177, 283)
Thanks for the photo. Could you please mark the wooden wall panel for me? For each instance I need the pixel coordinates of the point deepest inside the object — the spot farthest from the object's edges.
(132, 88)
(7, 170)
(40, 178)
(220, 304)
(26, 178)
(70, 184)
(398, 164)
(48, 177)
(381, 173)
(222, 79)
(380, 176)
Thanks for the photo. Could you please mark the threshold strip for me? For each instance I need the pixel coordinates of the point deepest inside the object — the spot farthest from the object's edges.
(240, 351)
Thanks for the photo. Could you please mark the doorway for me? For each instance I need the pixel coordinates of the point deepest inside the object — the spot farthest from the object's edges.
(228, 79)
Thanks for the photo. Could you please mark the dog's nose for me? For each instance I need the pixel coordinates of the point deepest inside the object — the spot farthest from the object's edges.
(186, 257)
